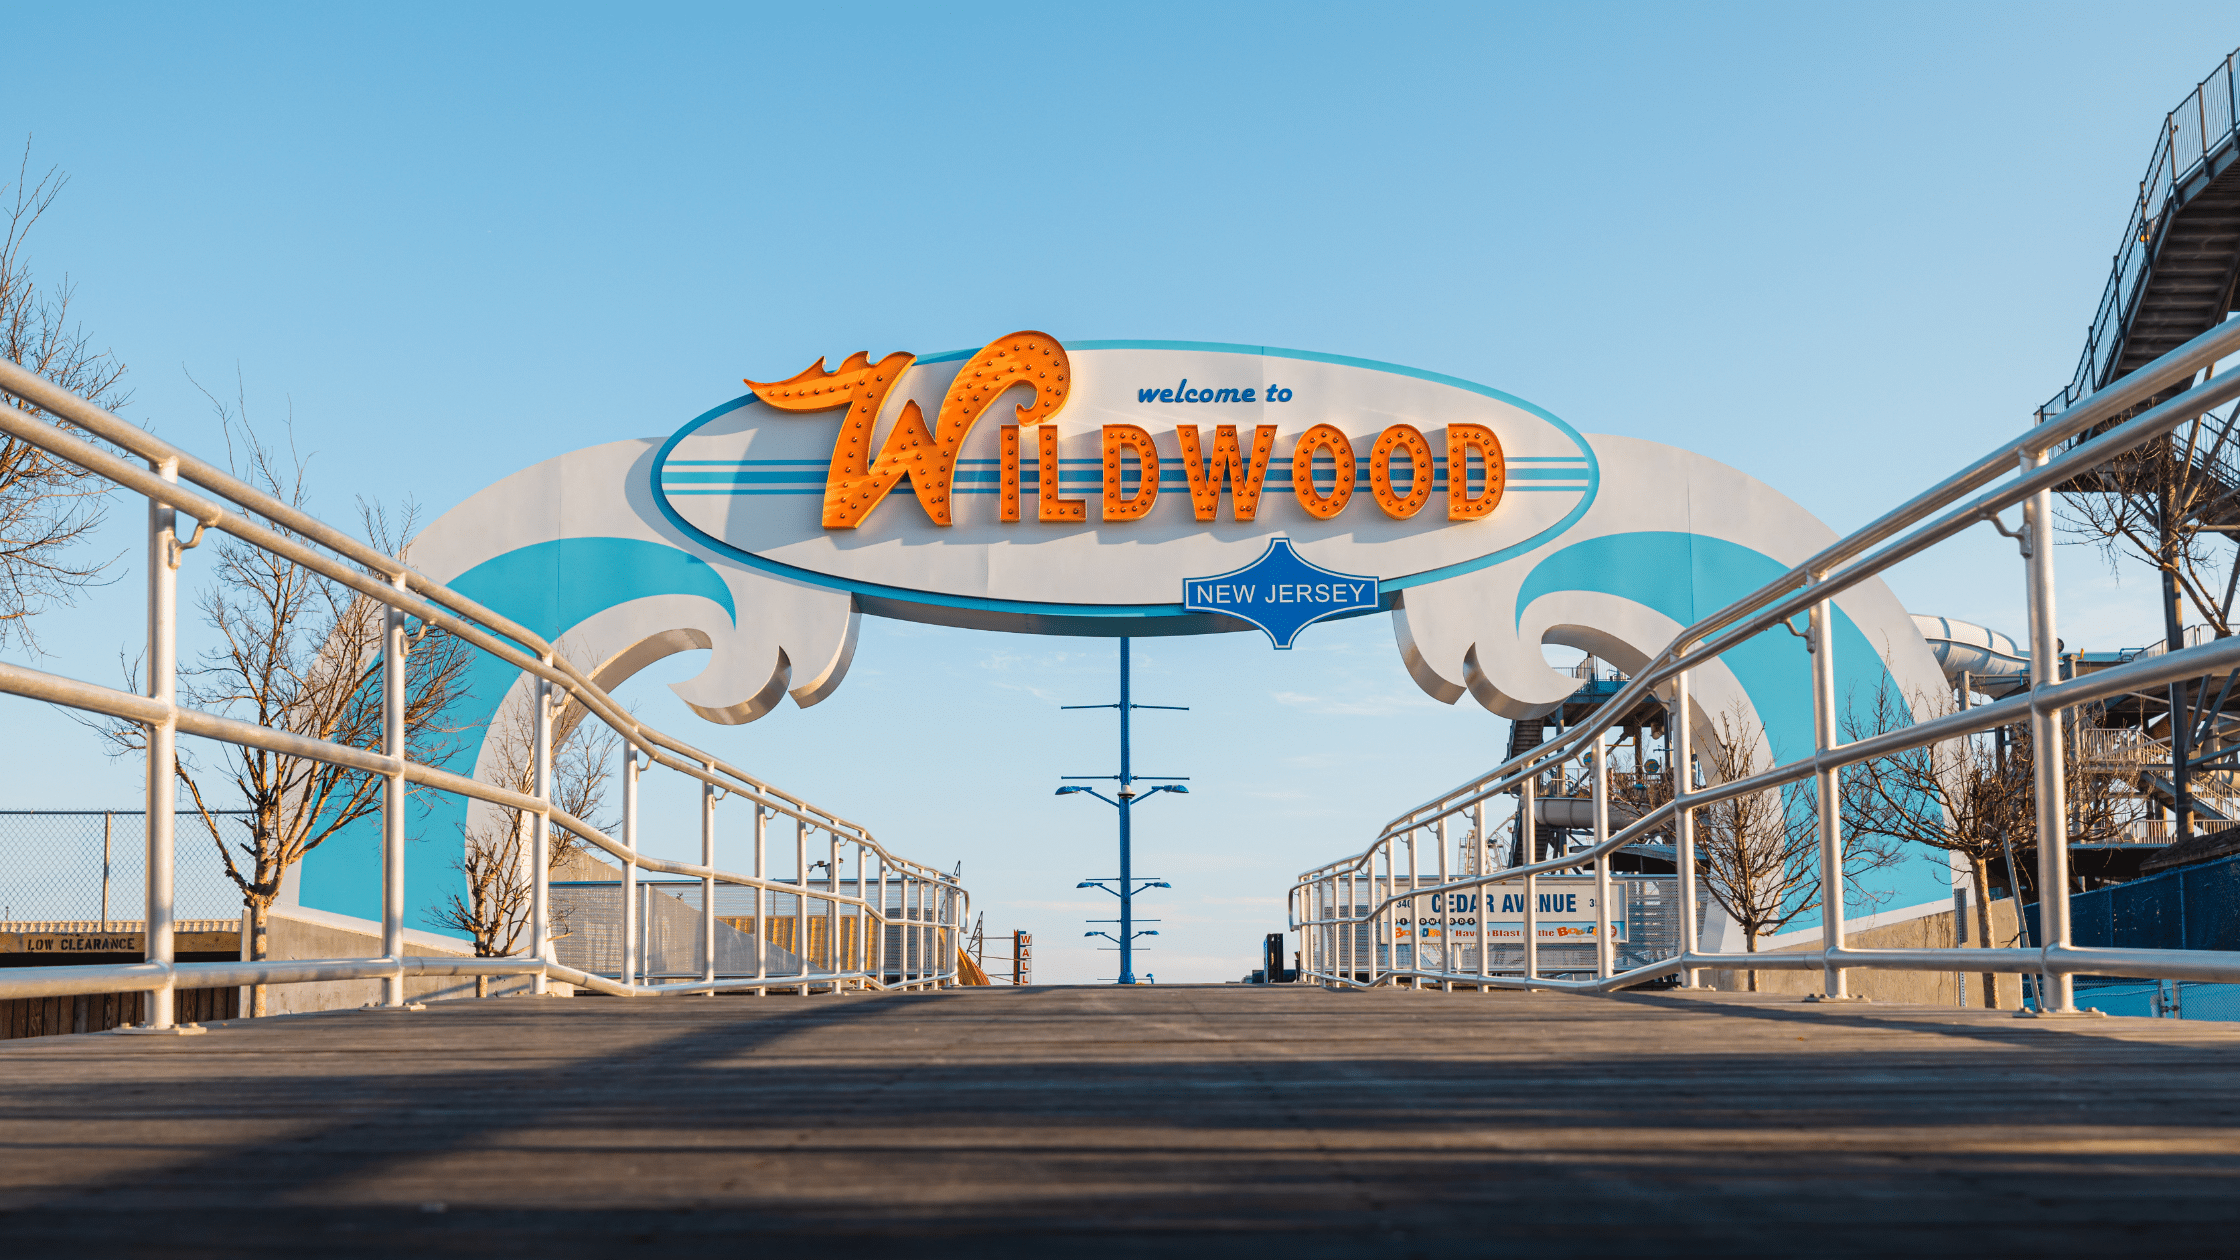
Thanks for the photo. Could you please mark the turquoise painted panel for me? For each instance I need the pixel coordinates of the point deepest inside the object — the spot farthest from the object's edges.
(1689, 576)
(550, 588)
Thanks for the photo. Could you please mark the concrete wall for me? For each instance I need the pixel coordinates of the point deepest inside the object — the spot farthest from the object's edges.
(1935, 988)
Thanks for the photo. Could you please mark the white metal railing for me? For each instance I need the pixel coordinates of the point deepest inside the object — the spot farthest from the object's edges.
(2022, 471)
(920, 902)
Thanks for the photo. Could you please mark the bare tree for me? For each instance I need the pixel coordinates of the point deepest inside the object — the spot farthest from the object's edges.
(300, 653)
(495, 864)
(2173, 505)
(47, 504)
(1967, 797)
(1760, 851)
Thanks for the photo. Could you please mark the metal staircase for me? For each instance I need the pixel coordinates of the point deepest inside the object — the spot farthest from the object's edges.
(2175, 275)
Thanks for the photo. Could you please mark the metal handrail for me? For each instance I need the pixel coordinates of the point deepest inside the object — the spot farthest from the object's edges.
(2201, 127)
(1331, 941)
(930, 923)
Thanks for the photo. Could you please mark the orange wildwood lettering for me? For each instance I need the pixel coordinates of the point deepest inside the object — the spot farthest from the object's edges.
(856, 482)
(1461, 504)
(1407, 439)
(1322, 506)
(1245, 476)
(1123, 437)
(1053, 508)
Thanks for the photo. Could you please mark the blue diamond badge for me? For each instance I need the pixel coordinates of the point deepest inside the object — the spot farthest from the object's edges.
(1282, 593)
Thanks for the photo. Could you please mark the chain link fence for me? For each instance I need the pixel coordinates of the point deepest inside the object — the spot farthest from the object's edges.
(91, 866)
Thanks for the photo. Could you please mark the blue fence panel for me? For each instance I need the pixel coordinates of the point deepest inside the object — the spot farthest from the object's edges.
(2197, 907)
(2211, 902)
(2143, 914)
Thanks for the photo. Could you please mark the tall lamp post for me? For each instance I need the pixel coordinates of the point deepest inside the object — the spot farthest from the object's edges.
(1128, 884)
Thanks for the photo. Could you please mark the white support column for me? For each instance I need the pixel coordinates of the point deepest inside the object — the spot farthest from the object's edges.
(761, 899)
(1481, 897)
(2056, 993)
(707, 882)
(1605, 949)
(1680, 736)
(1528, 837)
(630, 956)
(393, 801)
(882, 920)
(163, 741)
(832, 905)
(1444, 914)
(540, 832)
(801, 905)
(1415, 911)
(1825, 736)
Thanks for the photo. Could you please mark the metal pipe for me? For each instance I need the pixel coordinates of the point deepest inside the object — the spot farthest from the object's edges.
(1479, 905)
(800, 905)
(163, 739)
(761, 899)
(540, 833)
(1598, 763)
(631, 957)
(393, 800)
(1680, 740)
(1527, 791)
(708, 883)
(2047, 754)
(1825, 737)
(1444, 909)
(832, 906)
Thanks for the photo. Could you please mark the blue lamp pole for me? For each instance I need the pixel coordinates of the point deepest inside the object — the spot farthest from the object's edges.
(1126, 887)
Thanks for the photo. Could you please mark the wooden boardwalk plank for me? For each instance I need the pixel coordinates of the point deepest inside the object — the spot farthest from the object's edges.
(1105, 1122)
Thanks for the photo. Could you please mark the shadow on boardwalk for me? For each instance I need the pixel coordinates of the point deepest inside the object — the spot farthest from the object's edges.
(1090, 1122)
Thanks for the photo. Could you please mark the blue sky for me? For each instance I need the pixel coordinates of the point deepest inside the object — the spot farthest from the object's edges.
(1841, 248)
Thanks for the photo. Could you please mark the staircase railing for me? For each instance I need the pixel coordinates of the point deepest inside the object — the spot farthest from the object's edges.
(912, 904)
(2203, 126)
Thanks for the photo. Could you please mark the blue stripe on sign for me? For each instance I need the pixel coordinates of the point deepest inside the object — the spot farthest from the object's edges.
(1547, 474)
(735, 478)
(818, 490)
(732, 463)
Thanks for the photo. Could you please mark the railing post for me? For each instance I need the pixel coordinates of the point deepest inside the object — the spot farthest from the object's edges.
(392, 799)
(540, 834)
(1480, 898)
(1528, 839)
(708, 882)
(1680, 739)
(1598, 760)
(801, 904)
(761, 899)
(2056, 992)
(630, 958)
(1825, 737)
(1384, 940)
(163, 740)
(1443, 903)
(832, 906)
(1415, 912)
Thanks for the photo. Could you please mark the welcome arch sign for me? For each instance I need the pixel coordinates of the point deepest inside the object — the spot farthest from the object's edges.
(1134, 488)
